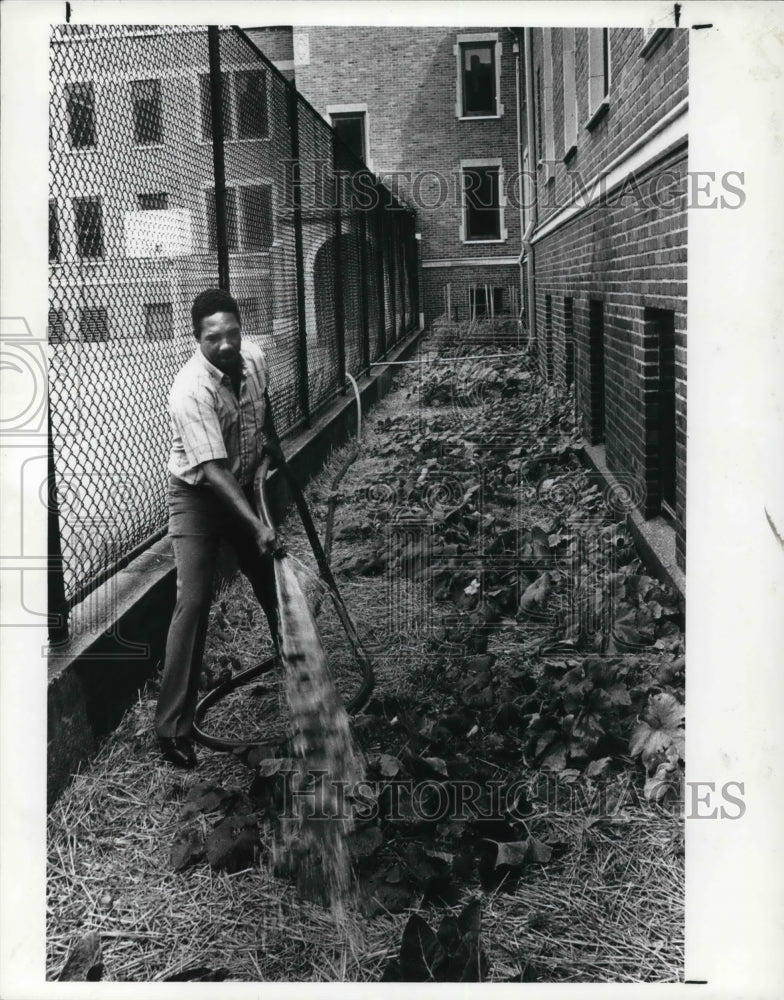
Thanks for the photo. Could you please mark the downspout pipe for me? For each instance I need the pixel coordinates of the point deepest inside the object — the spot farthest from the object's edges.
(528, 248)
(520, 183)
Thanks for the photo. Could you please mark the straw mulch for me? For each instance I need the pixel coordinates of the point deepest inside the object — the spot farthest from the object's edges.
(610, 909)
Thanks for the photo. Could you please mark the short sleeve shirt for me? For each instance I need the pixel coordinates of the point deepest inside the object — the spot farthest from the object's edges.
(209, 421)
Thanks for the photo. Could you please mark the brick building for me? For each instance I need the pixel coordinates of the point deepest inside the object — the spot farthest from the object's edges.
(606, 245)
(575, 142)
(433, 112)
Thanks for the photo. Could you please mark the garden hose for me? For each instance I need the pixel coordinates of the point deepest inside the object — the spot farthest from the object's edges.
(325, 572)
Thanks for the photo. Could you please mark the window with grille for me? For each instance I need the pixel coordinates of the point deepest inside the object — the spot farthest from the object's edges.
(482, 203)
(244, 95)
(54, 233)
(152, 201)
(478, 78)
(158, 321)
(147, 112)
(94, 324)
(89, 227)
(80, 105)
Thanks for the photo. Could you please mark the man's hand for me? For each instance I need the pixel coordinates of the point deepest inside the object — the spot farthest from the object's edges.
(266, 539)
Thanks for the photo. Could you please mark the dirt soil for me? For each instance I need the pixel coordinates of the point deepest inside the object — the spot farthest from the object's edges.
(523, 746)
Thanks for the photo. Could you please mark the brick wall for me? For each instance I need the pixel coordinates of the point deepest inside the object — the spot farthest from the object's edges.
(642, 91)
(630, 257)
(407, 77)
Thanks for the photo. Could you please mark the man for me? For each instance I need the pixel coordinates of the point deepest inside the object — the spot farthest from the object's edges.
(220, 421)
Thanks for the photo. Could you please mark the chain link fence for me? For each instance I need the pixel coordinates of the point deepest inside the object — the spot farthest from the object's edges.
(180, 159)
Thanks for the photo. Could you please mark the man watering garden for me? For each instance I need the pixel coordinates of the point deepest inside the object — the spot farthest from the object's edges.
(221, 427)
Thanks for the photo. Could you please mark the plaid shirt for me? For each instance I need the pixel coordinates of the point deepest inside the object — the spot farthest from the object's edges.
(208, 421)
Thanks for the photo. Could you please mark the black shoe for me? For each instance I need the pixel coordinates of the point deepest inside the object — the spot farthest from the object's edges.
(178, 750)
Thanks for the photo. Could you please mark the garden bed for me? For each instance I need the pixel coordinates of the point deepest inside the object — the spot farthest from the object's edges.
(521, 654)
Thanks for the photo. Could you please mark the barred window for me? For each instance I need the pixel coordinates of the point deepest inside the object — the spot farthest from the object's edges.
(80, 104)
(89, 227)
(147, 112)
(94, 324)
(158, 321)
(152, 201)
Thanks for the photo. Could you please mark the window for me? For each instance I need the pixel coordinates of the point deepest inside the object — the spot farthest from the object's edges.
(249, 218)
(158, 321)
(89, 227)
(483, 211)
(256, 226)
(250, 90)
(153, 201)
(569, 341)
(660, 422)
(478, 76)
(56, 324)
(80, 104)
(569, 93)
(147, 112)
(547, 105)
(548, 337)
(54, 233)
(350, 127)
(595, 416)
(598, 73)
(94, 324)
(244, 98)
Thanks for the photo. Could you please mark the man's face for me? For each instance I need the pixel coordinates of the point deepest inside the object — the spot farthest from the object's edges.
(220, 340)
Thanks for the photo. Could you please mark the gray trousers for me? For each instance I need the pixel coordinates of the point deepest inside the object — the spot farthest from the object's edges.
(197, 525)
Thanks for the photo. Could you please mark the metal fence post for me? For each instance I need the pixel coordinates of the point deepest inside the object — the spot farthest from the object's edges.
(296, 197)
(57, 604)
(340, 318)
(382, 305)
(414, 272)
(218, 158)
(364, 310)
(392, 272)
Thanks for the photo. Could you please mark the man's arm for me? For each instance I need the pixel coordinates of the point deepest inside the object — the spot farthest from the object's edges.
(230, 494)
